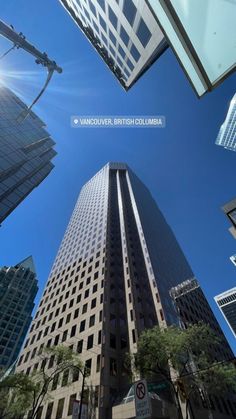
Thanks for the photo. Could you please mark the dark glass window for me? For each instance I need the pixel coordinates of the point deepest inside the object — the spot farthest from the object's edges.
(130, 65)
(82, 326)
(90, 342)
(73, 331)
(102, 23)
(102, 4)
(124, 36)
(121, 51)
(112, 17)
(80, 346)
(135, 53)
(71, 402)
(92, 321)
(143, 33)
(104, 39)
(92, 8)
(49, 411)
(95, 26)
(112, 38)
(60, 408)
(129, 11)
(88, 366)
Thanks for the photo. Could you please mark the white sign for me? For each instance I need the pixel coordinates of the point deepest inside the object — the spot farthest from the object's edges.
(142, 400)
(75, 413)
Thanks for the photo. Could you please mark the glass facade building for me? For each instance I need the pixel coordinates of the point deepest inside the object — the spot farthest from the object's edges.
(18, 288)
(26, 150)
(202, 34)
(227, 133)
(124, 33)
(227, 305)
(110, 281)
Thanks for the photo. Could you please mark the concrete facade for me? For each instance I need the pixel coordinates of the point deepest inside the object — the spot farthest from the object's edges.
(110, 281)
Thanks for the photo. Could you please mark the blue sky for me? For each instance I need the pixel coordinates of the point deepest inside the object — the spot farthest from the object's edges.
(189, 176)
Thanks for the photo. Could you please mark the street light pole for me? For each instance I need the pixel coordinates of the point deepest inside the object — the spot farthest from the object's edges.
(81, 394)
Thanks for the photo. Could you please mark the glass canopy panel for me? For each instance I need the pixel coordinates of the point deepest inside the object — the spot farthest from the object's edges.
(208, 42)
(211, 28)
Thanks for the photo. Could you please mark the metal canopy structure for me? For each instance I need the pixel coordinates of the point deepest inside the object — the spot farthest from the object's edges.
(19, 41)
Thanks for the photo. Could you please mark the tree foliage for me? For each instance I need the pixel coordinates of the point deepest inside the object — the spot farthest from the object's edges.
(20, 393)
(184, 358)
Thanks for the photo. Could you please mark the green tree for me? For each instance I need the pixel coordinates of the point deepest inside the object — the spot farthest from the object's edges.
(26, 393)
(183, 358)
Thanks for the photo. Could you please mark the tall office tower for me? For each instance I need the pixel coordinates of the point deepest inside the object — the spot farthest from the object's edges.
(230, 211)
(227, 305)
(227, 133)
(193, 307)
(110, 281)
(18, 288)
(26, 150)
(124, 33)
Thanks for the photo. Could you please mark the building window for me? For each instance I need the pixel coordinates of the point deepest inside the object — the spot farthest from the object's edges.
(92, 8)
(129, 11)
(93, 303)
(65, 378)
(90, 342)
(60, 408)
(80, 346)
(101, 4)
(64, 336)
(98, 363)
(112, 17)
(124, 36)
(134, 52)
(102, 23)
(92, 321)
(49, 411)
(121, 51)
(130, 65)
(82, 326)
(143, 33)
(71, 403)
(73, 331)
(76, 313)
(88, 366)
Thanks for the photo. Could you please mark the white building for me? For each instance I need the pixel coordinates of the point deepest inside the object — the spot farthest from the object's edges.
(124, 33)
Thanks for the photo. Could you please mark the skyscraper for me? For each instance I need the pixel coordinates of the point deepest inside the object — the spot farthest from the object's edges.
(110, 280)
(227, 133)
(230, 211)
(18, 288)
(227, 305)
(124, 33)
(26, 150)
(193, 307)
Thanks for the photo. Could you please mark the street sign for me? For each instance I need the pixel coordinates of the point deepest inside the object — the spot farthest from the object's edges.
(142, 400)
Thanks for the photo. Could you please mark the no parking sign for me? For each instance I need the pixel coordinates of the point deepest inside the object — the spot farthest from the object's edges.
(142, 401)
